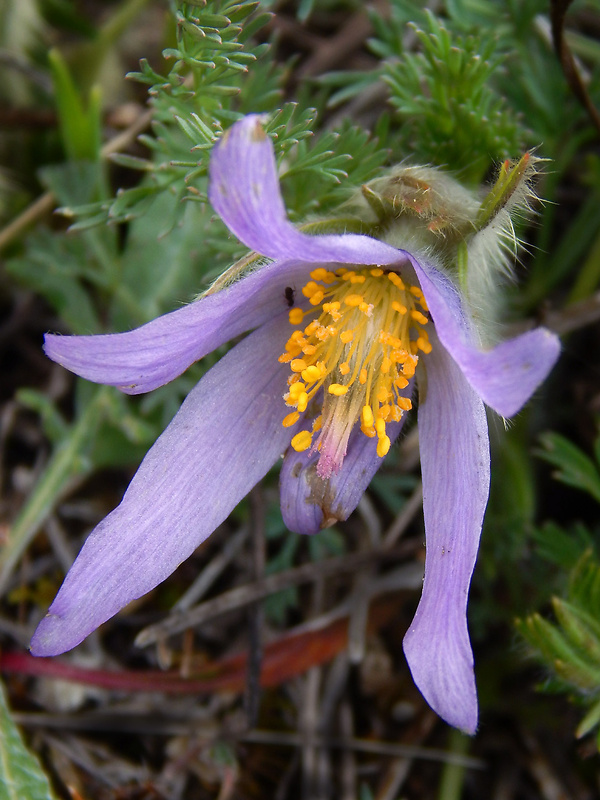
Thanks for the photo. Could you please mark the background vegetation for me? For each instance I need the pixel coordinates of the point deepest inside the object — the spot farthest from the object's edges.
(108, 113)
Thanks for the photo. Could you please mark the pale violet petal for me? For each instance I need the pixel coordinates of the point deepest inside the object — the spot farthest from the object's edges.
(150, 356)
(244, 190)
(308, 502)
(455, 463)
(504, 376)
(225, 437)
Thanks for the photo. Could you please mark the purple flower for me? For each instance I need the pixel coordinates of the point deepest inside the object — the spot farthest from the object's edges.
(332, 377)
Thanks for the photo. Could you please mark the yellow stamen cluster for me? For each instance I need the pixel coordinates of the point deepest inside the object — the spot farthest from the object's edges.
(361, 347)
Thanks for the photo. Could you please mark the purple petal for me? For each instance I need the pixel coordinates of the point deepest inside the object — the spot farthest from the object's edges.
(225, 437)
(456, 473)
(506, 376)
(147, 357)
(244, 190)
(310, 503)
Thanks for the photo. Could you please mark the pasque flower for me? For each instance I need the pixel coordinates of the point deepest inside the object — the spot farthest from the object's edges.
(342, 326)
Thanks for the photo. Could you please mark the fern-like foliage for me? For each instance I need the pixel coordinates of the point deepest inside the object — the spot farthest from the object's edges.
(209, 86)
(570, 647)
(444, 97)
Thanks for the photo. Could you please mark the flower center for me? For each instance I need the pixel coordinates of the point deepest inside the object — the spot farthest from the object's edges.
(360, 348)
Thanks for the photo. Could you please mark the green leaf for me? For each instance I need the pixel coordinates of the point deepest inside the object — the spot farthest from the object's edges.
(21, 776)
(574, 467)
(52, 266)
(80, 123)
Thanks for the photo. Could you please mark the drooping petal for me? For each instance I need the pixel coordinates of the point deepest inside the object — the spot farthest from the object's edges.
(244, 190)
(310, 503)
(150, 356)
(456, 472)
(225, 437)
(506, 376)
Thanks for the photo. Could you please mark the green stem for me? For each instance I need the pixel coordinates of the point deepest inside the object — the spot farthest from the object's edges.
(65, 464)
(453, 775)
(589, 275)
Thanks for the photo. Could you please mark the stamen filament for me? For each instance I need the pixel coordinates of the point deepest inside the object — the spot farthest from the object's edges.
(361, 350)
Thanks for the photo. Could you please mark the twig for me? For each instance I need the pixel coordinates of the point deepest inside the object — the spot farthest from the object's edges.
(348, 765)
(255, 610)
(212, 571)
(332, 50)
(151, 725)
(404, 518)
(251, 592)
(46, 202)
(574, 316)
(366, 746)
(558, 13)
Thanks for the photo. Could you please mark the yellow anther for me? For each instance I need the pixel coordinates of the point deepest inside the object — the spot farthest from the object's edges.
(302, 441)
(292, 343)
(383, 394)
(401, 356)
(396, 280)
(310, 289)
(296, 389)
(337, 389)
(409, 366)
(353, 300)
(418, 317)
(311, 374)
(383, 446)
(372, 340)
(318, 274)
